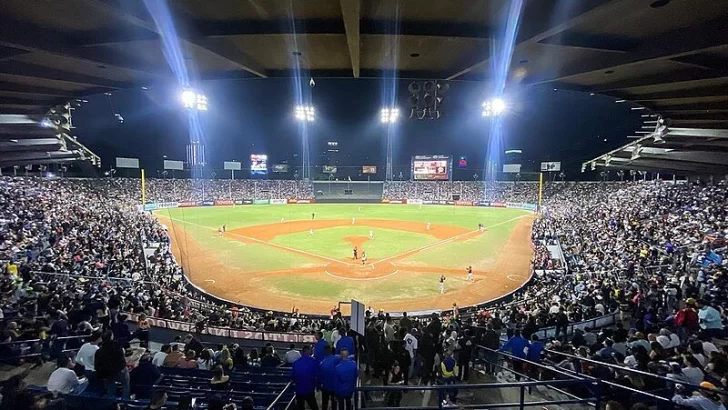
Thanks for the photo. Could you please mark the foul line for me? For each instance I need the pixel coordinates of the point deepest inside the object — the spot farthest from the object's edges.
(444, 241)
(273, 245)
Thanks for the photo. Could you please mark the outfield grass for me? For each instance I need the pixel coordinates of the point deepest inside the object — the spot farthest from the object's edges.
(249, 215)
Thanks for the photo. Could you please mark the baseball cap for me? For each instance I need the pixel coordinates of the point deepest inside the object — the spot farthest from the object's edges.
(690, 301)
(708, 385)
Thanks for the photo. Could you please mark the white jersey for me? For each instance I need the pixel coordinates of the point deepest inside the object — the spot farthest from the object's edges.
(410, 344)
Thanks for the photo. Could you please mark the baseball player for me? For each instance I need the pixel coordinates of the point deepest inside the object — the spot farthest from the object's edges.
(313, 215)
(219, 231)
(356, 253)
(224, 228)
(310, 232)
(371, 234)
(363, 257)
(353, 220)
(442, 284)
(470, 273)
(427, 227)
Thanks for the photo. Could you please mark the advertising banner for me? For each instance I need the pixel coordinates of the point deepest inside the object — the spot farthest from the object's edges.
(278, 201)
(305, 201)
(260, 202)
(247, 201)
(551, 166)
(369, 169)
(463, 203)
(431, 167)
(398, 201)
(231, 165)
(424, 202)
(238, 202)
(483, 203)
(498, 204)
(186, 204)
(165, 205)
(279, 168)
(414, 201)
(122, 162)
(449, 203)
(208, 203)
(150, 207)
(178, 165)
(385, 200)
(329, 169)
(511, 168)
(224, 202)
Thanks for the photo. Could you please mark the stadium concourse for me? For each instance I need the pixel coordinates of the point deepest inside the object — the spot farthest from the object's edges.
(74, 273)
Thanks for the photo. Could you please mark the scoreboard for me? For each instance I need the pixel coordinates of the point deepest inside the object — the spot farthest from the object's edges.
(432, 168)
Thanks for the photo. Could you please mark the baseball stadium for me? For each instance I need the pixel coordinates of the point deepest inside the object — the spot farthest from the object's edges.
(350, 204)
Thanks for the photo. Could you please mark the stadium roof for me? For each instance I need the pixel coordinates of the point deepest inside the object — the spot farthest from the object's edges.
(674, 150)
(666, 55)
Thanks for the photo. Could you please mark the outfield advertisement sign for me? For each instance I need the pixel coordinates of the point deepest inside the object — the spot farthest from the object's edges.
(521, 205)
(261, 201)
(498, 204)
(463, 203)
(224, 202)
(186, 204)
(149, 207)
(278, 201)
(414, 201)
(301, 201)
(206, 203)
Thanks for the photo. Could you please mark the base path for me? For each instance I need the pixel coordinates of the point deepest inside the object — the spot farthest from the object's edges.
(509, 272)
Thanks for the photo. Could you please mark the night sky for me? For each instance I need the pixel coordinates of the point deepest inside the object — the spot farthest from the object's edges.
(255, 116)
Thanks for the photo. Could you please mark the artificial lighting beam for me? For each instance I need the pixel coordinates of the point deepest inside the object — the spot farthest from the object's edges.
(389, 115)
(193, 100)
(494, 107)
(305, 113)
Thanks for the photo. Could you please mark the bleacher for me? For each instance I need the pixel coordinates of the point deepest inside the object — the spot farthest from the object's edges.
(343, 191)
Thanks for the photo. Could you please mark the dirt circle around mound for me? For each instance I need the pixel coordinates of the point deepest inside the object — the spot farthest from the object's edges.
(213, 276)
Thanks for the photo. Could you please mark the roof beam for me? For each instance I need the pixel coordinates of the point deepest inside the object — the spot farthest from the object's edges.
(32, 38)
(678, 43)
(537, 28)
(9, 87)
(35, 71)
(607, 44)
(191, 38)
(672, 81)
(351, 12)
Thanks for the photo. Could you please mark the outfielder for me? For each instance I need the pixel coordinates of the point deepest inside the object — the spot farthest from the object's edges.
(371, 234)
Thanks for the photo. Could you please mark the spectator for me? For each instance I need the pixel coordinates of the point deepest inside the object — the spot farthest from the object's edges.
(226, 361)
(292, 354)
(110, 365)
(85, 357)
(320, 346)
(174, 357)
(161, 356)
(205, 361)
(269, 359)
(158, 400)
(143, 377)
(346, 376)
(327, 374)
(305, 373)
(189, 361)
(63, 380)
(219, 381)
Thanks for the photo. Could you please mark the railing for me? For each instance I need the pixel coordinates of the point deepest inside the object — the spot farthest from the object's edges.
(522, 403)
(274, 404)
(39, 347)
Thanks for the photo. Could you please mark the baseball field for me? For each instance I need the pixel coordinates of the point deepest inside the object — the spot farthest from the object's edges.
(283, 256)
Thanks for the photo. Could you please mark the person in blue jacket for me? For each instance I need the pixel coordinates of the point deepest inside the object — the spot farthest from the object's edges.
(346, 374)
(535, 348)
(346, 342)
(318, 348)
(516, 346)
(305, 373)
(328, 379)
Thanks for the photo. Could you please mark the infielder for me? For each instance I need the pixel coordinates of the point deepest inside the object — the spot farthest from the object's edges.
(470, 273)
(442, 284)
(353, 220)
(363, 257)
(310, 232)
(427, 227)
(371, 234)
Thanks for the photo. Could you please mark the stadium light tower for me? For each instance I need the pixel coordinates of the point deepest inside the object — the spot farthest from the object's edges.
(494, 107)
(389, 115)
(192, 100)
(305, 113)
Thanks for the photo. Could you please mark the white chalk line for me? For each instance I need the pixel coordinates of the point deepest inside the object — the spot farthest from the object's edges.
(272, 245)
(445, 241)
(361, 279)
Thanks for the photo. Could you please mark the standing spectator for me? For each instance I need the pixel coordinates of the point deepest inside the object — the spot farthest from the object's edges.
(269, 359)
(143, 377)
(63, 380)
(448, 376)
(516, 345)
(292, 354)
(194, 344)
(319, 348)
(226, 361)
(346, 342)
(396, 378)
(110, 365)
(346, 375)
(305, 373)
(328, 379)
(709, 319)
(85, 356)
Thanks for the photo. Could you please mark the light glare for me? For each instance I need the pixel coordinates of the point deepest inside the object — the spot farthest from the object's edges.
(494, 107)
(389, 115)
(305, 113)
(194, 101)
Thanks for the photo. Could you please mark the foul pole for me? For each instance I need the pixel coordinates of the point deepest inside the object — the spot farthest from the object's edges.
(144, 189)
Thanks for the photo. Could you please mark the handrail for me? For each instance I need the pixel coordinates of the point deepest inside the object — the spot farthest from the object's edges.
(470, 386)
(50, 338)
(278, 398)
(630, 370)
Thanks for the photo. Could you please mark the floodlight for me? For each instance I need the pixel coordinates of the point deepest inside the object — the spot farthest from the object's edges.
(305, 113)
(494, 107)
(389, 115)
(193, 100)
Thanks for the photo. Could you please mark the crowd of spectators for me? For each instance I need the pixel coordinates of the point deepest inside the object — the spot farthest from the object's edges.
(521, 191)
(72, 253)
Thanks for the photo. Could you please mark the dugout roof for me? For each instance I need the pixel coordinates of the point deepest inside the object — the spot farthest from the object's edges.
(670, 56)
